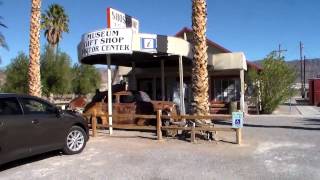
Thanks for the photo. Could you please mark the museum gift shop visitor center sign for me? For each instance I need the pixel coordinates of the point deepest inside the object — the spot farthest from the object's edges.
(106, 41)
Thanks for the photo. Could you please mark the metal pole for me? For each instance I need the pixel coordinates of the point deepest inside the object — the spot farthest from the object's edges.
(182, 108)
(279, 51)
(109, 94)
(301, 47)
(304, 76)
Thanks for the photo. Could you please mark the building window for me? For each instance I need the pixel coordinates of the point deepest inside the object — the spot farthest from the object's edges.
(226, 90)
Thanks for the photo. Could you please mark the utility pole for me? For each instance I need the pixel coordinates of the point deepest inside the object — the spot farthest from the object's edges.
(302, 90)
(280, 51)
(304, 75)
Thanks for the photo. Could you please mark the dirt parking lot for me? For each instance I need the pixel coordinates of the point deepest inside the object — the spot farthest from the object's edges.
(273, 148)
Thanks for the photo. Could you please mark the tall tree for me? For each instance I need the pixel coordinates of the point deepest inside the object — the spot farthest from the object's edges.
(86, 79)
(55, 72)
(200, 60)
(3, 43)
(17, 75)
(274, 83)
(54, 22)
(34, 50)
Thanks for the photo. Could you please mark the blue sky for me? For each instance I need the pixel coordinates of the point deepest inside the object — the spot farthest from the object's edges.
(255, 27)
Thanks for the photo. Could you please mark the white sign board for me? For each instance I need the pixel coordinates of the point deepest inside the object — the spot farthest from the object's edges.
(148, 42)
(117, 19)
(106, 41)
(237, 119)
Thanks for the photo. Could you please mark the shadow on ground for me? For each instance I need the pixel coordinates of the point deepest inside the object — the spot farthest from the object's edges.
(28, 160)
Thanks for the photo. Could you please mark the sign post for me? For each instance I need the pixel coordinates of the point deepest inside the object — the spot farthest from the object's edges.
(106, 41)
(237, 123)
(109, 94)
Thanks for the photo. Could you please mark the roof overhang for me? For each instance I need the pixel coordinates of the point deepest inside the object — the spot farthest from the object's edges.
(228, 61)
(167, 48)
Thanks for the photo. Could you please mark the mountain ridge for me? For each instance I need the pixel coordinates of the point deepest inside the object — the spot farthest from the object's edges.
(312, 68)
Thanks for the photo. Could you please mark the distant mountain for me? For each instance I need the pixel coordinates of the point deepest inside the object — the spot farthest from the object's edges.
(312, 68)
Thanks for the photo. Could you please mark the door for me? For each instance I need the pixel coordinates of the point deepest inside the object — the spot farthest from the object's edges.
(125, 105)
(48, 130)
(14, 131)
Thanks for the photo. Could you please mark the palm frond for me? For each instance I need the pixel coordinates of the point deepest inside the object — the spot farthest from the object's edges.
(55, 22)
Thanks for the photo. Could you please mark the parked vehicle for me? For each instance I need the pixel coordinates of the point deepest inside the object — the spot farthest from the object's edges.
(30, 125)
(129, 102)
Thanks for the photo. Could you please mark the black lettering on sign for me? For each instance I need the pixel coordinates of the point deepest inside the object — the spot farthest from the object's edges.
(118, 17)
(128, 21)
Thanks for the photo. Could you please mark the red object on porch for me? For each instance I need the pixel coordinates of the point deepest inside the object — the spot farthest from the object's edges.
(314, 91)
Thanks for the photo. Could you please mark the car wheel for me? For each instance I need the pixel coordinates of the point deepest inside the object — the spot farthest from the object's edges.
(75, 141)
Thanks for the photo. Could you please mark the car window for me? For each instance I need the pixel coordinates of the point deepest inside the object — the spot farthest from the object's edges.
(126, 99)
(9, 106)
(32, 106)
(144, 97)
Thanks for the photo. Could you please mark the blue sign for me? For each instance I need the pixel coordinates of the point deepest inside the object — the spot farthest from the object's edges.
(148, 43)
(237, 119)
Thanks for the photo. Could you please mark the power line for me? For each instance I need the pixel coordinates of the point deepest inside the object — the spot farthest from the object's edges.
(279, 51)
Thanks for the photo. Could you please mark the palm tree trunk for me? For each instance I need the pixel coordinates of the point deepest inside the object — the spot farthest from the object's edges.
(34, 50)
(200, 59)
(57, 51)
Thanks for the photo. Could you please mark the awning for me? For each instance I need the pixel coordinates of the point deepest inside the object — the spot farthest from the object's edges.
(227, 61)
(145, 50)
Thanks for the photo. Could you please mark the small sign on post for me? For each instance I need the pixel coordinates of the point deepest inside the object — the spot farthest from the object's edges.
(237, 119)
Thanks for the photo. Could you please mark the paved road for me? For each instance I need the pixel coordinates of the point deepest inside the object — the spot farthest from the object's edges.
(273, 148)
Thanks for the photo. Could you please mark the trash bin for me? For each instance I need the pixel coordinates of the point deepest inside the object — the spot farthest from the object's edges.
(233, 107)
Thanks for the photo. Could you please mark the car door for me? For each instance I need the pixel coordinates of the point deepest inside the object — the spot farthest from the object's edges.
(126, 105)
(14, 131)
(48, 129)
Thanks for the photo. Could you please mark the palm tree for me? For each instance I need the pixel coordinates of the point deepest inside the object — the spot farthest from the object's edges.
(54, 22)
(34, 50)
(200, 60)
(3, 43)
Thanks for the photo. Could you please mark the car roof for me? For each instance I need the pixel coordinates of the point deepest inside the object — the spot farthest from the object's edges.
(14, 95)
(5, 95)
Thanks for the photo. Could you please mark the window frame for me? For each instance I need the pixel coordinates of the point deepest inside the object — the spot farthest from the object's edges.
(21, 99)
(18, 103)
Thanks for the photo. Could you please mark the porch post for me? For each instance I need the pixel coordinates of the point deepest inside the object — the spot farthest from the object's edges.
(134, 81)
(154, 88)
(242, 90)
(182, 108)
(109, 93)
(162, 80)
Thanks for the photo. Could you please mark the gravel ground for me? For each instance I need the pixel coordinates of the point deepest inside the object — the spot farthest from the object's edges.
(273, 148)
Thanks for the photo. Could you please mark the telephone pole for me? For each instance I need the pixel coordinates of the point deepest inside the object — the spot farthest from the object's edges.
(302, 89)
(304, 75)
(280, 51)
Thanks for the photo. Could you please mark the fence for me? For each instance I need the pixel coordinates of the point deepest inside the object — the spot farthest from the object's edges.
(158, 128)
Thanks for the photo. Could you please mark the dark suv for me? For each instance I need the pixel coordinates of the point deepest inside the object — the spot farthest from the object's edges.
(30, 125)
